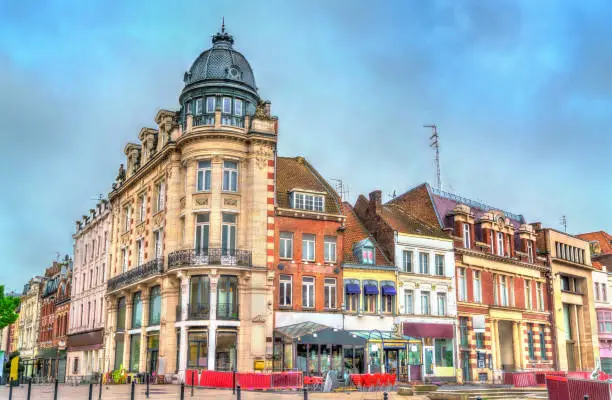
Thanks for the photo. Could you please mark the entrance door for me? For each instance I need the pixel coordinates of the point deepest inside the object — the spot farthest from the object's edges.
(571, 363)
(61, 370)
(392, 362)
(465, 366)
(506, 345)
(429, 360)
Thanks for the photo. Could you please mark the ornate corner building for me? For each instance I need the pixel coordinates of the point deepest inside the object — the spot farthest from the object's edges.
(190, 280)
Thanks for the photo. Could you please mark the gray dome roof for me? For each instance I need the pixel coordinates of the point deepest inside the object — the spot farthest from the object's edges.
(221, 62)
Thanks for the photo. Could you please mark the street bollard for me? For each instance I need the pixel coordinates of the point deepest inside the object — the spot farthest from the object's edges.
(90, 390)
(234, 382)
(133, 390)
(192, 381)
(305, 394)
(586, 397)
(10, 389)
(100, 390)
(29, 388)
(237, 392)
(182, 390)
(147, 392)
(385, 396)
(55, 390)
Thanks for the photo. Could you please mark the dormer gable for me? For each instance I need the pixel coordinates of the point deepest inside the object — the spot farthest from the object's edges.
(365, 252)
(132, 152)
(309, 200)
(148, 138)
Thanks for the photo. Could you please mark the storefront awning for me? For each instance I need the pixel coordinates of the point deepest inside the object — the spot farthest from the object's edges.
(370, 289)
(313, 333)
(352, 288)
(388, 290)
(424, 330)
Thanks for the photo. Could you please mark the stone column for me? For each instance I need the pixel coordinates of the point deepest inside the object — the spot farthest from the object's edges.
(579, 337)
(168, 344)
(128, 325)
(184, 296)
(214, 281)
(495, 343)
(517, 345)
(111, 320)
(212, 345)
(183, 352)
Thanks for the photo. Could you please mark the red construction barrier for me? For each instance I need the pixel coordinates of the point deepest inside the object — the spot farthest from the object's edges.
(287, 380)
(541, 376)
(596, 390)
(190, 376)
(252, 380)
(520, 379)
(216, 379)
(579, 375)
(557, 387)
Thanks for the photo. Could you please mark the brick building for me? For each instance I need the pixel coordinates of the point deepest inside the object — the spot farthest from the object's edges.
(503, 301)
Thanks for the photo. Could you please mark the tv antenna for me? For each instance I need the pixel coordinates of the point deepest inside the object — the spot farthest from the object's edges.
(564, 223)
(341, 188)
(435, 143)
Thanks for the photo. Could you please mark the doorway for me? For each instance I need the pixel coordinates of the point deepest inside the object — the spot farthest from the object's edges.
(392, 361)
(506, 345)
(465, 366)
(571, 362)
(429, 360)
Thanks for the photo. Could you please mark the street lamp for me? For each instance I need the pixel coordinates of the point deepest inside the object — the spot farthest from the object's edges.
(382, 350)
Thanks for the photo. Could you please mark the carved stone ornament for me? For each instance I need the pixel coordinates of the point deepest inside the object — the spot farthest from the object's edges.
(202, 201)
(260, 111)
(259, 318)
(230, 202)
(158, 219)
(262, 155)
(140, 229)
(125, 238)
(121, 174)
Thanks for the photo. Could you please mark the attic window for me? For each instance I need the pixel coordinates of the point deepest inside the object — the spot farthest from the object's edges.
(310, 202)
(367, 255)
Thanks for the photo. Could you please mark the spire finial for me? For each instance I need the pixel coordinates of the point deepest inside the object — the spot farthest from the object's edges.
(223, 24)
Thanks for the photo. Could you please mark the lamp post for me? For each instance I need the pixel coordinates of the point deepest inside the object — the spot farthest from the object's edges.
(382, 350)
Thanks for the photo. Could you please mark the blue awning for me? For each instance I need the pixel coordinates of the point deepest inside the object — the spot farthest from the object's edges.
(352, 288)
(370, 289)
(388, 290)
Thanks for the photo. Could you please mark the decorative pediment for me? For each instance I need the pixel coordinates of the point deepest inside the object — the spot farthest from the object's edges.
(259, 318)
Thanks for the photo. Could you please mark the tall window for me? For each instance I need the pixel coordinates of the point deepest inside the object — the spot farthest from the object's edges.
(596, 291)
(228, 234)
(143, 206)
(542, 343)
(530, 341)
(308, 247)
(140, 252)
(367, 255)
(540, 295)
(210, 105)
(370, 296)
(424, 263)
(238, 107)
(136, 311)
(388, 301)
(462, 285)
(407, 260)
(202, 234)
(286, 245)
(330, 249)
(227, 105)
(198, 106)
(425, 304)
(466, 236)
(309, 202)
(155, 306)
(604, 320)
(503, 284)
(439, 259)
(285, 291)
(204, 175)
(160, 196)
(492, 240)
(157, 241)
(227, 297)
(124, 259)
(604, 292)
(119, 347)
(500, 244)
(351, 298)
(230, 176)
(530, 251)
(409, 302)
(308, 288)
(197, 355)
(463, 331)
(441, 304)
(330, 293)
(477, 287)
(126, 223)
(199, 297)
(528, 297)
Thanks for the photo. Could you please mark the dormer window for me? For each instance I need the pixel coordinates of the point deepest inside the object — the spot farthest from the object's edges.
(530, 251)
(210, 105)
(227, 105)
(367, 255)
(364, 252)
(466, 235)
(238, 107)
(198, 106)
(500, 244)
(310, 202)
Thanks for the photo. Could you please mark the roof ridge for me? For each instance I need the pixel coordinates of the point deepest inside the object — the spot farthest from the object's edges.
(399, 208)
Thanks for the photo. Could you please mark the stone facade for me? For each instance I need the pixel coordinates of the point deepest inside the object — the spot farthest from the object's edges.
(193, 232)
(28, 323)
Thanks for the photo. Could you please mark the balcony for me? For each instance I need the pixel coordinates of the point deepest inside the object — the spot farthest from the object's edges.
(146, 270)
(198, 311)
(217, 256)
(227, 311)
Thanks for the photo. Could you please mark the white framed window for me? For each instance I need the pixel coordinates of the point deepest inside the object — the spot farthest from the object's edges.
(330, 249)
(503, 287)
(423, 263)
(528, 296)
(158, 242)
(228, 234)
(439, 259)
(140, 252)
(540, 293)
(160, 196)
(407, 260)
(230, 176)
(530, 251)
(492, 240)
(143, 206)
(425, 303)
(238, 107)
(477, 287)
(124, 259)
(204, 176)
(500, 244)
(466, 236)
(441, 304)
(462, 285)
(286, 245)
(198, 108)
(285, 290)
(308, 292)
(367, 255)
(409, 301)
(308, 247)
(330, 293)
(127, 211)
(596, 291)
(604, 292)
(303, 201)
(202, 232)
(210, 105)
(227, 105)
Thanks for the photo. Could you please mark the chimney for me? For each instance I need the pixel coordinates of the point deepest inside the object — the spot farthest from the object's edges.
(375, 202)
(537, 226)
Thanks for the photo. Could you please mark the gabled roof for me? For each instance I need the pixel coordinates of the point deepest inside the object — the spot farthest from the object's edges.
(354, 233)
(401, 221)
(603, 238)
(297, 173)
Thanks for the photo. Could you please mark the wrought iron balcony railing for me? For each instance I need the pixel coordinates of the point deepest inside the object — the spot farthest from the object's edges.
(206, 119)
(151, 268)
(209, 257)
(197, 311)
(227, 311)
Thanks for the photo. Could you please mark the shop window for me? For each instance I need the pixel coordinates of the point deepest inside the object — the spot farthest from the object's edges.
(197, 356)
(225, 352)
(414, 353)
(120, 314)
(136, 311)
(134, 352)
(199, 297)
(152, 352)
(119, 346)
(155, 306)
(227, 297)
(444, 352)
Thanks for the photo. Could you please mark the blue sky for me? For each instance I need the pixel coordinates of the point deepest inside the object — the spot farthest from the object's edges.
(521, 92)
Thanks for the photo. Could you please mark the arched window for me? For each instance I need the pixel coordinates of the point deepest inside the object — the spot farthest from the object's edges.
(155, 306)
(136, 311)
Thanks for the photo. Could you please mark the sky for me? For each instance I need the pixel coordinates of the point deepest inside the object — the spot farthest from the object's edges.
(521, 92)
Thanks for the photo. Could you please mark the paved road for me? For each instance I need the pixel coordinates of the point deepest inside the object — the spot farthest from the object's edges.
(171, 392)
